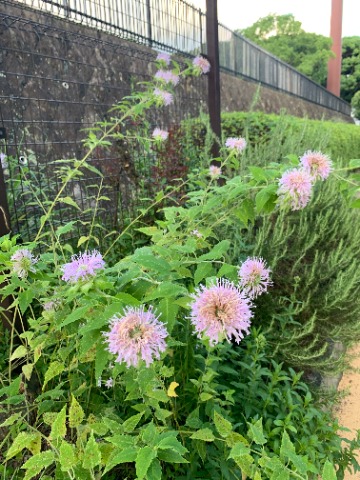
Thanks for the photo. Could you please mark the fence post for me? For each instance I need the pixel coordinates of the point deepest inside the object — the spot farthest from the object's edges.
(4, 207)
(148, 20)
(212, 40)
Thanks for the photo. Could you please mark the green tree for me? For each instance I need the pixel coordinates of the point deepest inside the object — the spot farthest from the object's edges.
(283, 36)
(355, 103)
(350, 70)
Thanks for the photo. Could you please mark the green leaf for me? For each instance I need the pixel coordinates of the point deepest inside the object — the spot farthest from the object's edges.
(147, 260)
(203, 270)
(204, 434)
(171, 457)
(143, 461)
(127, 455)
(11, 420)
(217, 252)
(37, 463)
(77, 314)
(329, 472)
(27, 370)
(19, 352)
(92, 454)
(25, 298)
(287, 450)
(58, 428)
(101, 359)
(76, 413)
(244, 462)
(55, 368)
(255, 432)
(168, 310)
(67, 456)
(171, 443)
(166, 289)
(64, 228)
(222, 425)
(258, 173)
(69, 201)
(154, 472)
(82, 240)
(130, 424)
(239, 449)
(204, 396)
(23, 440)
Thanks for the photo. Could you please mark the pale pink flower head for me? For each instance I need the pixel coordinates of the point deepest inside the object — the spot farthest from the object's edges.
(160, 135)
(164, 57)
(254, 277)
(220, 312)
(23, 262)
(238, 144)
(82, 266)
(201, 65)
(163, 97)
(214, 171)
(196, 233)
(167, 76)
(136, 335)
(317, 164)
(295, 188)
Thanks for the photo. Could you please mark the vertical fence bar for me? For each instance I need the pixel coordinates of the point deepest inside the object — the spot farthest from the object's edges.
(148, 19)
(212, 40)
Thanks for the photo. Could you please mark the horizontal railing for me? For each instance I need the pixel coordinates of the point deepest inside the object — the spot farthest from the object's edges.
(177, 26)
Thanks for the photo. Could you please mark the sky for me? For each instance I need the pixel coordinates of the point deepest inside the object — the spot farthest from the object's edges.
(313, 14)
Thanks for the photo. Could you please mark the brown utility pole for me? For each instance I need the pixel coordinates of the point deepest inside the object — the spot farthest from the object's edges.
(212, 41)
(334, 65)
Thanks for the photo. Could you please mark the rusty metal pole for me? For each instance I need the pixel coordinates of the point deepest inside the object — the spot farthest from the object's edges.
(334, 65)
(212, 41)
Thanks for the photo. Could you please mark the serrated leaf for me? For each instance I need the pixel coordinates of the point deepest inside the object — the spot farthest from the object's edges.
(255, 432)
(19, 352)
(127, 455)
(222, 425)
(171, 443)
(244, 462)
(168, 311)
(27, 370)
(130, 424)
(216, 252)
(37, 463)
(11, 420)
(58, 428)
(143, 461)
(171, 457)
(76, 413)
(23, 440)
(76, 314)
(239, 449)
(55, 368)
(204, 434)
(69, 201)
(204, 396)
(329, 472)
(154, 472)
(67, 456)
(92, 454)
(202, 271)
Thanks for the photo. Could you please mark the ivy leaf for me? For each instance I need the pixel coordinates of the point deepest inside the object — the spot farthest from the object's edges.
(143, 461)
(92, 454)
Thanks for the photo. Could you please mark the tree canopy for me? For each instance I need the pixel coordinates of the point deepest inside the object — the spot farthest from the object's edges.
(350, 69)
(283, 36)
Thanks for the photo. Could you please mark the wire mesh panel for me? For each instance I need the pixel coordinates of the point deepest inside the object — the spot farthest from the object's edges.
(57, 80)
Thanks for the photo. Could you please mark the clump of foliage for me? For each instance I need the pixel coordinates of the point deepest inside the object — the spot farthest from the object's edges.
(283, 36)
(124, 368)
(355, 103)
(350, 67)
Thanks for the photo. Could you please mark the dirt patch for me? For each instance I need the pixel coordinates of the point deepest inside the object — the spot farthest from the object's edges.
(349, 411)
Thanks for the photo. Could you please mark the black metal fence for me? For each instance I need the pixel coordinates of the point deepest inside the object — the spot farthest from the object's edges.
(180, 27)
(56, 80)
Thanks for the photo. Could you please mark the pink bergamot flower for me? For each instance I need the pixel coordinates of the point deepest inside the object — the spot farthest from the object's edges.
(201, 65)
(238, 144)
(167, 76)
(254, 277)
(214, 171)
(23, 262)
(160, 135)
(82, 266)
(136, 335)
(164, 57)
(163, 97)
(295, 187)
(317, 164)
(220, 312)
